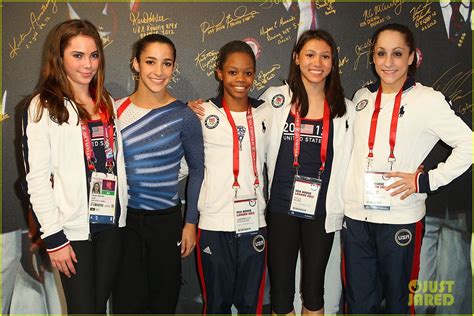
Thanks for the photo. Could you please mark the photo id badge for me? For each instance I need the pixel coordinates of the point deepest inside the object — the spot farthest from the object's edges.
(375, 195)
(246, 215)
(304, 196)
(102, 198)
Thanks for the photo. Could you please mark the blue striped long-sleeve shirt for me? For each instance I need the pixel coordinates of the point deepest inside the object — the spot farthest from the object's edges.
(154, 144)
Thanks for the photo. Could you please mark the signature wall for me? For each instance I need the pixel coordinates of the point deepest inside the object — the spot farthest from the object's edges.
(199, 29)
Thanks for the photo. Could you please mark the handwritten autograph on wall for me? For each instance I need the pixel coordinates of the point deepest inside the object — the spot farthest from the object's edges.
(423, 16)
(343, 60)
(264, 76)
(206, 61)
(280, 30)
(145, 23)
(327, 5)
(453, 83)
(36, 23)
(240, 16)
(268, 4)
(362, 51)
(378, 14)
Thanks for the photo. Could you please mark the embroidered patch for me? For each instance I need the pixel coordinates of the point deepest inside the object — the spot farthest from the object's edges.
(259, 243)
(211, 121)
(278, 100)
(403, 237)
(361, 104)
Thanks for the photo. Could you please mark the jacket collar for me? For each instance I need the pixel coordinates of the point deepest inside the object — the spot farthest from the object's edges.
(373, 87)
(253, 102)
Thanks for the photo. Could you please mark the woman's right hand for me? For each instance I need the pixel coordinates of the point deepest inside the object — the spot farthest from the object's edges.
(63, 260)
(196, 107)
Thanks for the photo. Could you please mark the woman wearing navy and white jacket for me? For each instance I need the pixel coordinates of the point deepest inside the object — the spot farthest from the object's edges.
(312, 103)
(398, 121)
(70, 143)
(232, 229)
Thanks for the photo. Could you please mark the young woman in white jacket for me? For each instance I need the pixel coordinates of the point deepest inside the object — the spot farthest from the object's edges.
(398, 121)
(71, 143)
(306, 172)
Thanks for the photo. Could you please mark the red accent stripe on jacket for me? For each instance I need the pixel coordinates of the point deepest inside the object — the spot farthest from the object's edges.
(201, 272)
(416, 261)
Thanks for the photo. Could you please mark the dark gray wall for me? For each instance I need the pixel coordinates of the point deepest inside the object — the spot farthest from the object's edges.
(199, 29)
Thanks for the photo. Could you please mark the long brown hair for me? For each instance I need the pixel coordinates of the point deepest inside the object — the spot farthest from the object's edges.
(332, 88)
(54, 86)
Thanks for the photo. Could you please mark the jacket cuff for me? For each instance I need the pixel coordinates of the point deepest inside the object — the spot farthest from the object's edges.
(423, 183)
(56, 241)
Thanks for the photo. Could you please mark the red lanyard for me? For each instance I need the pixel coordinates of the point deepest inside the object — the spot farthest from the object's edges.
(235, 148)
(108, 144)
(393, 125)
(324, 142)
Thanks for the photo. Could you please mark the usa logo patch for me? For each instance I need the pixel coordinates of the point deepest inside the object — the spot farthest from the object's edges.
(361, 104)
(278, 100)
(211, 121)
(259, 243)
(403, 237)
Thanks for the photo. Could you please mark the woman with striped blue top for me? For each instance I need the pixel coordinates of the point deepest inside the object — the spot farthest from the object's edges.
(158, 131)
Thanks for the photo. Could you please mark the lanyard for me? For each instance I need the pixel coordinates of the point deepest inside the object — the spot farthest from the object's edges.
(235, 147)
(108, 144)
(324, 142)
(393, 126)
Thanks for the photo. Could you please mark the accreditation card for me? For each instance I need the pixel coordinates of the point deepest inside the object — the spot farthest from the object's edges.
(375, 195)
(304, 196)
(102, 198)
(246, 215)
